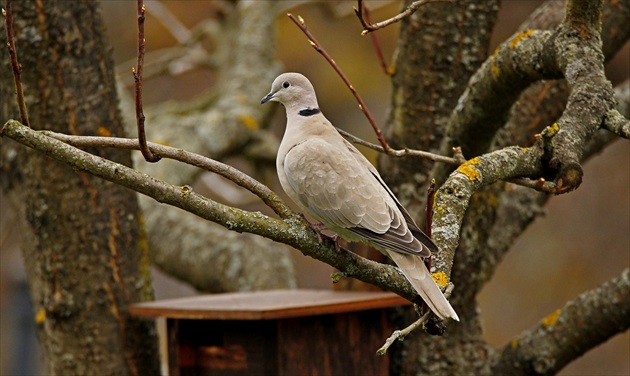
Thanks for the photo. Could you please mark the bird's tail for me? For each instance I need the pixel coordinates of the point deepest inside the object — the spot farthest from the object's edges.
(417, 273)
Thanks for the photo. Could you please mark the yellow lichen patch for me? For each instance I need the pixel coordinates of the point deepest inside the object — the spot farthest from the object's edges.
(553, 129)
(249, 122)
(185, 190)
(520, 36)
(551, 319)
(40, 316)
(493, 66)
(514, 343)
(469, 170)
(103, 132)
(440, 278)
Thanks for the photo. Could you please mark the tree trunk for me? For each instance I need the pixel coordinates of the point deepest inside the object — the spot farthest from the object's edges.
(85, 257)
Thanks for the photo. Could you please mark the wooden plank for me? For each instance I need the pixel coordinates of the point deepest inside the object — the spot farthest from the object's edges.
(265, 305)
(341, 344)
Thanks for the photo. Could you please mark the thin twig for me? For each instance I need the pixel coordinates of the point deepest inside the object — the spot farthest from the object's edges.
(458, 158)
(540, 185)
(399, 152)
(377, 45)
(228, 172)
(401, 334)
(369, 27)
(17, 67)
(137, 76)
(299, 21)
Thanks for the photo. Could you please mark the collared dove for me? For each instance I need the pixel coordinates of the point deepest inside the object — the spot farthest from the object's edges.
(328, 178)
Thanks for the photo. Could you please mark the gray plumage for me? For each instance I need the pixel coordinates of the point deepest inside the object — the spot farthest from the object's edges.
(332, 181)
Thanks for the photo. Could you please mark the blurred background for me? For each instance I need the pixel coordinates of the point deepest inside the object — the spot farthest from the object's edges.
(581, 241)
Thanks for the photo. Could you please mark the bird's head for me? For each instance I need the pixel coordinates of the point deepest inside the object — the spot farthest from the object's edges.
(293, 90)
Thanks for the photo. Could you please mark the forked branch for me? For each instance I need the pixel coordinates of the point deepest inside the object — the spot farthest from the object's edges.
(369, 27)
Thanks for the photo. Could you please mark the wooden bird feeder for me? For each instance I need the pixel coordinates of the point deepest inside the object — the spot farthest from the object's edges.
(277, 332)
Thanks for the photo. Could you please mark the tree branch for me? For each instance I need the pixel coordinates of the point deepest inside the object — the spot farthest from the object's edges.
(369, 27)
(263, 192)
(453, 197)
(587, 321)
(402, 152)
(137, 76)
(617, 124)
(484, 106)
(291, 231)
(401, 334)
(577, 46)
(15, 65)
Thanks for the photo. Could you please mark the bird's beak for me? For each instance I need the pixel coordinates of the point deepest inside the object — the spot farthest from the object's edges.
(267, 97)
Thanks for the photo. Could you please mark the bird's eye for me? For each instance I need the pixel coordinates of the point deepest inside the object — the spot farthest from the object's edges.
(286, 84)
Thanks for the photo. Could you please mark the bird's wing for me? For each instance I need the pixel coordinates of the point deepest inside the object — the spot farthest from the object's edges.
(344, 193)
(426, 242)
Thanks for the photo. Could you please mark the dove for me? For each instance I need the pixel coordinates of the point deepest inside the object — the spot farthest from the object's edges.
(328, 178)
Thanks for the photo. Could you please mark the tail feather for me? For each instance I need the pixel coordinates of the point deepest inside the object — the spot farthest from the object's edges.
(418, 275)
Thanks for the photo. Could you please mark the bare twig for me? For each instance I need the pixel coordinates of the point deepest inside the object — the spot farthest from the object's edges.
(540, 185)
(137, 76)
(401, 334)
(17, 67)
(263, 192)
(377, 45)
(399, 153)
(299, 21)
(369, 27)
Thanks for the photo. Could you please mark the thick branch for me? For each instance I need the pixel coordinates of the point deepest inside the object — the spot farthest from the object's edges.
(589, 320)
(291, 231)
(494, 88)
(453, 197)
(578, 48)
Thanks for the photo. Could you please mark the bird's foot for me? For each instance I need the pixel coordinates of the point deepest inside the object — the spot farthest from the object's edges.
(317, 227)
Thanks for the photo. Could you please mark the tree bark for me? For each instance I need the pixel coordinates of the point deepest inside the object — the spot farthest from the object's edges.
(85, 257)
